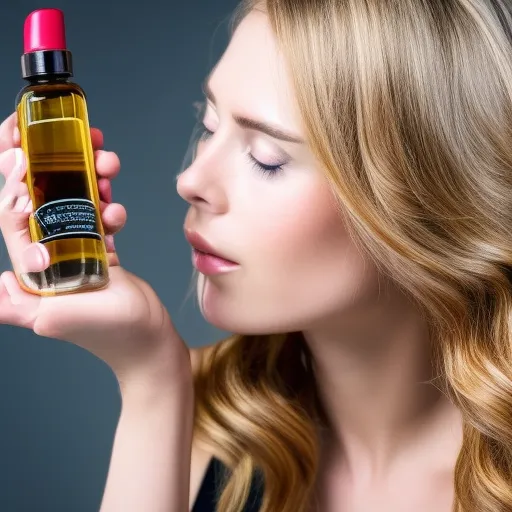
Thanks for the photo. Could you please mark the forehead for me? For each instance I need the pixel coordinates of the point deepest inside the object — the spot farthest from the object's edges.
(251, 77)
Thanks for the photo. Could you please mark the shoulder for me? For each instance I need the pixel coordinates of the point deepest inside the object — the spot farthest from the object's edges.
(204, 462)
(200, 458)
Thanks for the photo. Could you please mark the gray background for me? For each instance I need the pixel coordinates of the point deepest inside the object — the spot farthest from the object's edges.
(141, 68)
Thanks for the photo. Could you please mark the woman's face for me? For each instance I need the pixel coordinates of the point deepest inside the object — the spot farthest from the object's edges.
(260, 199)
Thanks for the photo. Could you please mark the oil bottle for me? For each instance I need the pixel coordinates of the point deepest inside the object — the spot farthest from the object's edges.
(61, 177)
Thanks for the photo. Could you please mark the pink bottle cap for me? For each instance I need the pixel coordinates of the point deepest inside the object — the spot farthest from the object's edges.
(44, 30)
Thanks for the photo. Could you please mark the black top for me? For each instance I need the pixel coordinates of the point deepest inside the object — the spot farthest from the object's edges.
(207, 497)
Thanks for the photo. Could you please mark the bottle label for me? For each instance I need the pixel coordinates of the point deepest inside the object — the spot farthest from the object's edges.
(67, 218)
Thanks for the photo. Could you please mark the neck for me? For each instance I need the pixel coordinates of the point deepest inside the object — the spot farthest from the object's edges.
(375, 379)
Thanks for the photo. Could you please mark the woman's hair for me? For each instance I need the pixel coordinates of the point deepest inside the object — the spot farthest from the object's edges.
(407, 105)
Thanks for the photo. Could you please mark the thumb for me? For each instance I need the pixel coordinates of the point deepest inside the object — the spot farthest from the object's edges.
(34, 258)
(17, 307)
(15, 210)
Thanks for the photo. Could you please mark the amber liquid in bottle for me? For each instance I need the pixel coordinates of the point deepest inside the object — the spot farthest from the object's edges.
(61, 179)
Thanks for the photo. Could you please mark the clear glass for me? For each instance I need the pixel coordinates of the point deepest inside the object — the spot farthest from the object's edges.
(61, 179)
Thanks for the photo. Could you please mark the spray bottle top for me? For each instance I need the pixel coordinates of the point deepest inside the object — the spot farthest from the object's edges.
(45, 53)
(44, 30)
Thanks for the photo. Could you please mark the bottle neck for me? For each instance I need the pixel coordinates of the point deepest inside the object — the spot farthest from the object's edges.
(47, 79)
(47, 65)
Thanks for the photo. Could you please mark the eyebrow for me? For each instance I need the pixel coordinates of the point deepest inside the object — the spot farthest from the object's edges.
(253, 124)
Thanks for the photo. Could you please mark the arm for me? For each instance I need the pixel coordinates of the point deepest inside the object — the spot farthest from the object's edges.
(150, 466)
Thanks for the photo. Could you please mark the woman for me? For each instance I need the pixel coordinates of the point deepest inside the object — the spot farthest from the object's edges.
(354, 185)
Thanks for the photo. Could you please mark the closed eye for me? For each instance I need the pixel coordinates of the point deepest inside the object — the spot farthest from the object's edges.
(266, 169)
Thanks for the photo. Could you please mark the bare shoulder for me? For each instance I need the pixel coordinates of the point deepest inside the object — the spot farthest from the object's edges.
(200, 459)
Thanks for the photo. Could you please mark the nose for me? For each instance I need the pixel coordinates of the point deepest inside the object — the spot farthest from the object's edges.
(201, 183)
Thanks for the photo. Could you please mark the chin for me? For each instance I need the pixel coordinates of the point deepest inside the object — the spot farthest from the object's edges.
(233, 310)
(249, 327)
(239, 317)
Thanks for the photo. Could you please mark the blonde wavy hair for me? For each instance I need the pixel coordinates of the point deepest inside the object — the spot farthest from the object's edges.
(408, 106)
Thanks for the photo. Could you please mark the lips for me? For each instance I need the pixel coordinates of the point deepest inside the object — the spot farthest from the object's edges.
(201, 245)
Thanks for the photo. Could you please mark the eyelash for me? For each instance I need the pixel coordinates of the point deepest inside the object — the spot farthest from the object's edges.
(268, 170)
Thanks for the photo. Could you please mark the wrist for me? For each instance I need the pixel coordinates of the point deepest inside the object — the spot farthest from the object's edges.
(155, 390)
(163, 375)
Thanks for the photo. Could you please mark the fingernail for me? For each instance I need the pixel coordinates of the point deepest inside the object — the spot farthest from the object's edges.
(29, 208)
(16, 299)
(16, 134)
(21, 204)
(2, 181)
(12, 290)
(19, 166)
(44, 254)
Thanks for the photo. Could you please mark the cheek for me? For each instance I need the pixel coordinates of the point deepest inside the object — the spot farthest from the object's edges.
(299, 266)
(305, 231)
(303, 266)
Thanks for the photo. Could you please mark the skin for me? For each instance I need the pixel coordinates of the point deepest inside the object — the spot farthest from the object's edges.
(299, 271)
(126, 326)
(394, 437)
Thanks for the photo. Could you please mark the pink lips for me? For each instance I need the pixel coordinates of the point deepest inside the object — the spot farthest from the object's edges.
(205, 258)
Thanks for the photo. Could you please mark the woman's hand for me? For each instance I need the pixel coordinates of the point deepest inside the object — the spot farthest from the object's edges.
(125, 324)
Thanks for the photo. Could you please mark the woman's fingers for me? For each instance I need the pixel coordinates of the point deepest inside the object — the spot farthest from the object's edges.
(97, 138)
(7, 135)
(16, 206)
(113, 217)
(107, 164)
(10, 134)
(105, 190)
(16, 307)
(15, 210)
